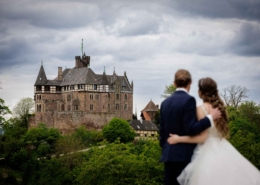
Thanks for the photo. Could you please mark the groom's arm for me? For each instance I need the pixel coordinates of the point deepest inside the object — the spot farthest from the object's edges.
(191, 125)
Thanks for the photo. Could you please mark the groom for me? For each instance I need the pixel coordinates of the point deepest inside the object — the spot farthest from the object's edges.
(178, 116)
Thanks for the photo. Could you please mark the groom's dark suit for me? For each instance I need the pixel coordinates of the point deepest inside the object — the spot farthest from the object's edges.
(178, 116)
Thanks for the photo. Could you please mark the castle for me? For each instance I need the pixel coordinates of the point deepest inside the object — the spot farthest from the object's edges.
(79, 97)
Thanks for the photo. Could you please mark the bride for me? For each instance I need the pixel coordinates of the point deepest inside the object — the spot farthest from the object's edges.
(215, 161)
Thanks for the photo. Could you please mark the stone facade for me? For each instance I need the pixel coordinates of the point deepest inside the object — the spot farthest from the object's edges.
(78, 97)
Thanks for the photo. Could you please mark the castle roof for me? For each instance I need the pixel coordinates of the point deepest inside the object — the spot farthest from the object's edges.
(143, 125)
(41, 78)
(150, 107)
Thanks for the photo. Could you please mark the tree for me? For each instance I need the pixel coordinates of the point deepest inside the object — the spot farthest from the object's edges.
(233, 95)
(3, 111)
(169, 89)
(24, 109)
(251, 111)
(118, 128)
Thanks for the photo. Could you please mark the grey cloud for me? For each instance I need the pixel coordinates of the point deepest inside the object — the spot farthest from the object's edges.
(240, 9)
(142, 23)
(247, 41)
(50, 14)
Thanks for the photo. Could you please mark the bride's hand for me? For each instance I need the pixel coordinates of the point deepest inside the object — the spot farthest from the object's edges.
(173, 139)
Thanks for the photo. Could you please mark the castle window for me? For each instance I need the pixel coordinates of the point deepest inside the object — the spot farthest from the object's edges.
(96, 96)
(47, 88)
(125, 96)
(95, 87)
(62, 107)
(39, 107)
(68, 107)
(108, 107)
(91, 107)
(58, 88)
(108, 96)
(76, 107)
(117, 96)
(68, 97)
(91, 96)
(125, 107)
(79, 87)
(38, 88)
(117, 106)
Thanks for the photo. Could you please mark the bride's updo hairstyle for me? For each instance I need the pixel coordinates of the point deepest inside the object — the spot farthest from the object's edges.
(182, 78)
(209, 93)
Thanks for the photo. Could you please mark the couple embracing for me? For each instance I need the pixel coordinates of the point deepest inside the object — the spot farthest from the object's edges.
(214, 161)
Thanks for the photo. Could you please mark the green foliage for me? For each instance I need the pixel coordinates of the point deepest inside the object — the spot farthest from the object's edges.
(122, 164)
(245, 137)
(12, 141)
(24, 109)
(118, 128)
(87, 137)
(250, 111)
(42, 139)
(3, 111)
(169, 89)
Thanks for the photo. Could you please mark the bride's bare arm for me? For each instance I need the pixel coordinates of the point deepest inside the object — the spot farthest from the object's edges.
(201, 138)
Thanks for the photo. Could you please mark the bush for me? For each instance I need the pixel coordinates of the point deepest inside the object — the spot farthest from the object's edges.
(118, 129)
(117, 164)
(87, 137)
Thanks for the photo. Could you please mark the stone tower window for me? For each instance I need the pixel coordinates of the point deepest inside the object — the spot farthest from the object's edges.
(108, 107)
(68, 107)
(62, 107)
(125, 107)
(117, 96)
(125, 96)
(91, 107)
(68, 97)
(91, 96)
(39, 108)
(108, 96)
(96, 96)
(117, 106)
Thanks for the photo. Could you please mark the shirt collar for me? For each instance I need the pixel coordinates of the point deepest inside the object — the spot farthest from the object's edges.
(181, 89)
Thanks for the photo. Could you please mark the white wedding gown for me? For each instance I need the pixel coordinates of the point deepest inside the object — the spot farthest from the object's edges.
(217, 162)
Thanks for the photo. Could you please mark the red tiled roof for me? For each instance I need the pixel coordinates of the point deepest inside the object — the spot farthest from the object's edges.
(146, 116)
(150, 107)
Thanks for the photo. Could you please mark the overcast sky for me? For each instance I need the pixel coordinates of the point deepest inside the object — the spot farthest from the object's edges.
(149, 39)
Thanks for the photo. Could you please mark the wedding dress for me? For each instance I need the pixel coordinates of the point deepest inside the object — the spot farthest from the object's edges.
(217, 162)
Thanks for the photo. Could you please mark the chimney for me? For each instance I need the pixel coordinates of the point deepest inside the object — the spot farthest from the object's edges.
(60, 73)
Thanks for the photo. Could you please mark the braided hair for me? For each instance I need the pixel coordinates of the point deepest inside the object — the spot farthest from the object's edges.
(209, 93)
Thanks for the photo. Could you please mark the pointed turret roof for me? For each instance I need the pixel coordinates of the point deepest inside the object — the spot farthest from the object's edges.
(150, 107)
(41, 79)
(104, 80)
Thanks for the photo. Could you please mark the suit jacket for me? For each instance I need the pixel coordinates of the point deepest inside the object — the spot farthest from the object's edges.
(178, 116)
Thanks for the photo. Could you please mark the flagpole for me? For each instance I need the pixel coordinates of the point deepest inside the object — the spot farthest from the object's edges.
(82, 47)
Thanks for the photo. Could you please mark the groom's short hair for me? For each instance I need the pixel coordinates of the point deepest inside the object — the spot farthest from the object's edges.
(182, 78)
